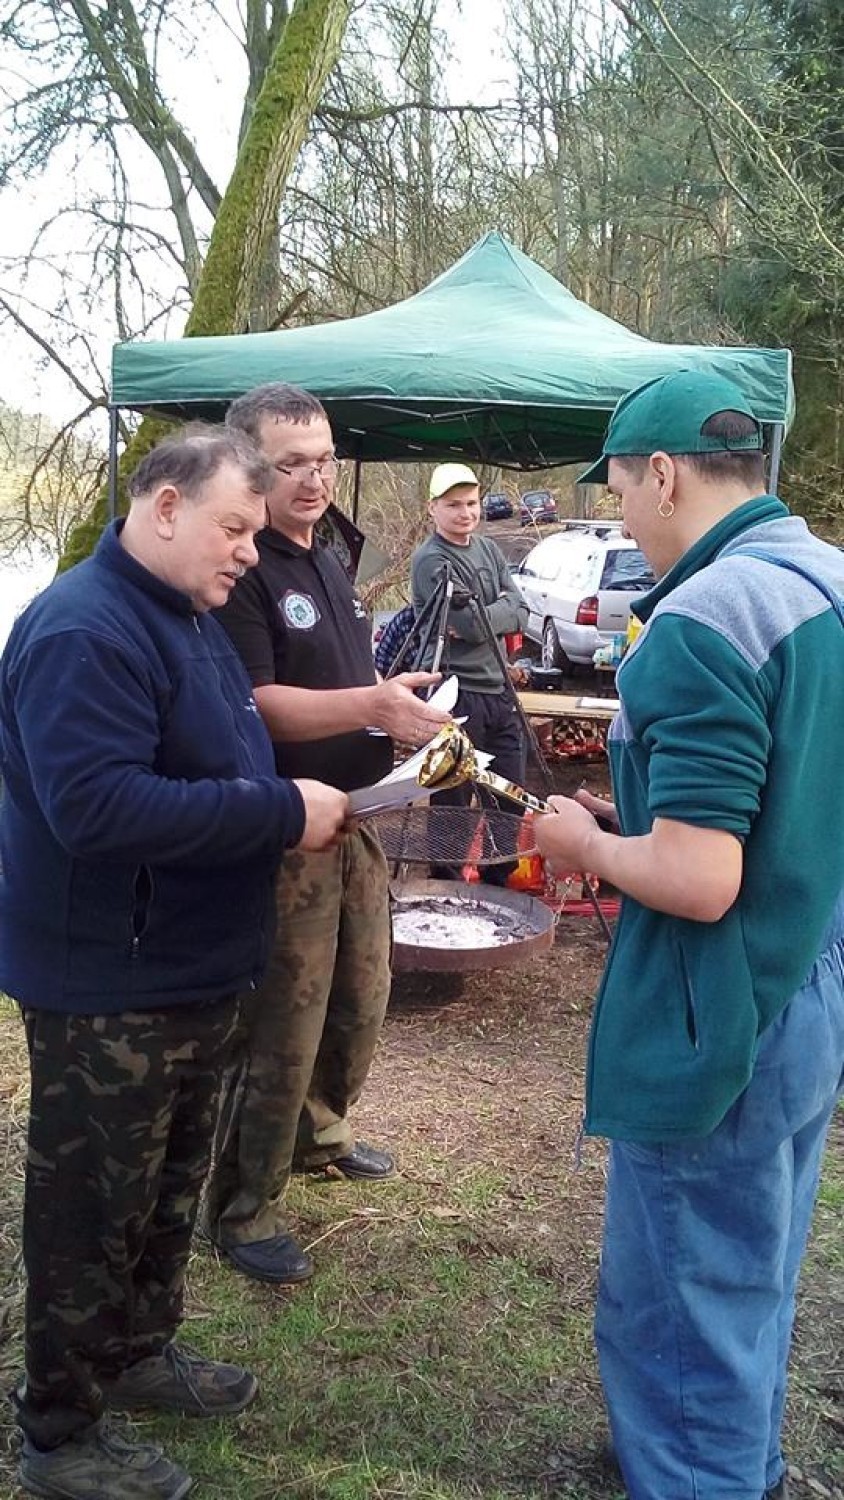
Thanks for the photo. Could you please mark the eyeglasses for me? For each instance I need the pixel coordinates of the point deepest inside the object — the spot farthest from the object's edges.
(328, 469)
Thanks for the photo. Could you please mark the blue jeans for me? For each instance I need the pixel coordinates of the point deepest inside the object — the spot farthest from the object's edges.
(703, 1242)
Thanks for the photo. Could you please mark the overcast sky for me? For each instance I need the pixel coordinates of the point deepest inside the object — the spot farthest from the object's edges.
(207, 98)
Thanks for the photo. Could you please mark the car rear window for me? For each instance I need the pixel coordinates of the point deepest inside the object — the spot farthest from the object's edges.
(627, 568)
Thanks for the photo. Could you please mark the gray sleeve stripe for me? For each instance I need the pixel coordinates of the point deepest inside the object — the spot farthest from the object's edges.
(753, 610)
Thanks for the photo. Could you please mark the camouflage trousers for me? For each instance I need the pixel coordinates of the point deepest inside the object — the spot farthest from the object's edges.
(308, 1036)
(121, 1123)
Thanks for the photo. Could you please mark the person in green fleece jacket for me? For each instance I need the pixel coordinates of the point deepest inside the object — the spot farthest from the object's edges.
(717, 1048)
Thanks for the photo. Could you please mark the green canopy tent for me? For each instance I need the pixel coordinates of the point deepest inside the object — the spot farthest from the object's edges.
(494, 362)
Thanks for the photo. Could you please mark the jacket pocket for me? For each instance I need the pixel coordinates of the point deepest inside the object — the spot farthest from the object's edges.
(688, 996)
(142, 894)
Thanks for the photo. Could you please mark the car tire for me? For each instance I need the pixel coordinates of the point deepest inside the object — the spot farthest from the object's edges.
(552, 653)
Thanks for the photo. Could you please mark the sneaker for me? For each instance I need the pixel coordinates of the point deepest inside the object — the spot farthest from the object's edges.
(180, 1381)
(96, 1464)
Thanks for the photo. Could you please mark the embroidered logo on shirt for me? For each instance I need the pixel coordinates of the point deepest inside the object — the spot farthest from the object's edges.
(299, 610)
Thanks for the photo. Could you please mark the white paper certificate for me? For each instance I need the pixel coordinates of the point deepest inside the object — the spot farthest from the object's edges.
(401, 787)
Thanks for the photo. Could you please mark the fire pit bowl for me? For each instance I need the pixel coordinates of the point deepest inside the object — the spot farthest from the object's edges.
(451, 925)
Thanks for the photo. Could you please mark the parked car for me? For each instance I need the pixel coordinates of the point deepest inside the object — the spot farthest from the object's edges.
(537, 506)
(578, 585)
(496, 507)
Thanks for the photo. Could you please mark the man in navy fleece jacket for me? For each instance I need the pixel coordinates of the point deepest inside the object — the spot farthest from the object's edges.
(140, 829)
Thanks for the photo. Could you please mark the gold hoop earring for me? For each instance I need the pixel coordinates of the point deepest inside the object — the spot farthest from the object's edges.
(668, 512)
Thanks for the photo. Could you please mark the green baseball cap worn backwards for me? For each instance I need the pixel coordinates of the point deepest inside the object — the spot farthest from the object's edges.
(666, 415)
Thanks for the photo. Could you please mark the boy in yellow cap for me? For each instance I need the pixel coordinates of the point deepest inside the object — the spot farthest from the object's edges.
(482, 583)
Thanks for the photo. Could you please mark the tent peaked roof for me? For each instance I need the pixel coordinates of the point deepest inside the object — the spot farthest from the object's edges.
(493, 265)
(495, 360)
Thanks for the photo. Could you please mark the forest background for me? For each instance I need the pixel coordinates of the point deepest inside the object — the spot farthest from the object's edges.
(222, 167)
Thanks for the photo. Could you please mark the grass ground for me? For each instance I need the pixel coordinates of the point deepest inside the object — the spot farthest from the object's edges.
(443, 1350)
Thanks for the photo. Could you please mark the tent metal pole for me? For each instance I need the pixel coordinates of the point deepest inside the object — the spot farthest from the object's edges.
(356, 495)
(112, 462)
(777, 431)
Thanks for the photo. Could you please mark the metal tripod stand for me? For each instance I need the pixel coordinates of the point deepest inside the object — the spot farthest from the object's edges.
(432, 625)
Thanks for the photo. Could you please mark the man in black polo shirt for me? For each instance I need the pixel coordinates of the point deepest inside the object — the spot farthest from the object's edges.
(311, 1030)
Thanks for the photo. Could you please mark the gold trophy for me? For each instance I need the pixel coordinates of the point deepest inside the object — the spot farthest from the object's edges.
(451, 760)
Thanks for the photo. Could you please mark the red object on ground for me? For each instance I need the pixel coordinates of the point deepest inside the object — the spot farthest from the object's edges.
(610, 906)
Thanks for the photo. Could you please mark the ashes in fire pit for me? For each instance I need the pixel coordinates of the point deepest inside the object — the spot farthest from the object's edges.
(451, 922)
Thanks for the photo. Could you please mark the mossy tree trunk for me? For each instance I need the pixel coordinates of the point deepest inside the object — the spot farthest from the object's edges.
(304, 55)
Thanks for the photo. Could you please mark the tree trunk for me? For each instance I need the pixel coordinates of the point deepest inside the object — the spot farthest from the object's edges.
(309, 47)
(307, 51)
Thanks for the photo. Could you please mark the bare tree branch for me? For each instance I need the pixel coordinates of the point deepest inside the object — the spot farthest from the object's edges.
(52, 353)
(767, 151)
